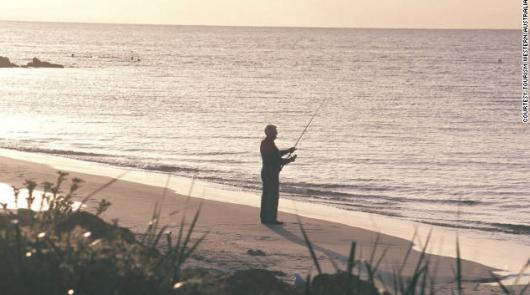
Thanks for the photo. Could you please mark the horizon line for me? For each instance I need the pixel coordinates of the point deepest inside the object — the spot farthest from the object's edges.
(248, 26)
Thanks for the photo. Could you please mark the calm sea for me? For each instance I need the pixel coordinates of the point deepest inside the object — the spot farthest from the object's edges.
(416, 123)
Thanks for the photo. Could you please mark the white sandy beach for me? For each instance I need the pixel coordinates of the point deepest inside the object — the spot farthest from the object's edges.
(232, 222)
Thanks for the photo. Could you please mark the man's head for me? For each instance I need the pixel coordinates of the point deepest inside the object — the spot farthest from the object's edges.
(271, 131)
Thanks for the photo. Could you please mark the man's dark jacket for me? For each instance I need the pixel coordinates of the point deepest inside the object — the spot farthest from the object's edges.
(272, 161)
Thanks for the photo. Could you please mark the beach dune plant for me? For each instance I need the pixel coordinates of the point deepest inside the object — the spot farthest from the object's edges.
(65, 251)
(342, 282)
(422, 281)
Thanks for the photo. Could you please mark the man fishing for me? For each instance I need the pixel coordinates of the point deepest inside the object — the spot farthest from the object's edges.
(270, 175)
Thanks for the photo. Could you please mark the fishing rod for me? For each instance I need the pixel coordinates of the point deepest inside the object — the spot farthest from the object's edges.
(307, 126)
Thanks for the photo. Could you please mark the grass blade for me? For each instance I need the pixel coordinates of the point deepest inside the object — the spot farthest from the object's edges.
(351, 257)
(83, 202)
(309, 246)
(501, 285)
(458, 267)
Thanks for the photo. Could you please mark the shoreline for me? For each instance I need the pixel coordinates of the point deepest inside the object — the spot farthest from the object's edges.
(333, 224)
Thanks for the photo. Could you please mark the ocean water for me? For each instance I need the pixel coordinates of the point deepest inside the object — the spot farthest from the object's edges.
(422, 125)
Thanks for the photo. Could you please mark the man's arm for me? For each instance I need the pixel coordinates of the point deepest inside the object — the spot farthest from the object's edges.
(287, 151)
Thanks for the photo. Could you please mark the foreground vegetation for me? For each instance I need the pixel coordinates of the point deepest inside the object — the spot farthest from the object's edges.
(63, 250)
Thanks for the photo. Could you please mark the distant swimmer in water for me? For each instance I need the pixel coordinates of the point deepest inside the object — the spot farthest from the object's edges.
(273, 162)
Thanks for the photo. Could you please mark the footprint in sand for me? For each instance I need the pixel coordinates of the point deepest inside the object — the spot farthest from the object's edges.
(257, 252)
(264, 238)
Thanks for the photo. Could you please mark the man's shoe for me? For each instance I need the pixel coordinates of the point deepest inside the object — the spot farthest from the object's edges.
(275, 222)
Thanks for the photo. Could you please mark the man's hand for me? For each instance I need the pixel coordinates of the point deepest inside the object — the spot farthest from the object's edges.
(291, 150)
(291, 159)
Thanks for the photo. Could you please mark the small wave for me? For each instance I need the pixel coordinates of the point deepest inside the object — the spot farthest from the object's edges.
(450, 201)
(168, 168)
(516, 229)
(325, 192)
(218, 153)
(366, 209)
(55, 151)
(316, 192)
(115, 160)
(328, 186)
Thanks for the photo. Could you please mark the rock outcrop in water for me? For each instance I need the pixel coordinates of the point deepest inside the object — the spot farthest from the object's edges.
(37, 63)
(6, 63)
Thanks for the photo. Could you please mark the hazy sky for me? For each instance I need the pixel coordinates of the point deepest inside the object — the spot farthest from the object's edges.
(314, 13)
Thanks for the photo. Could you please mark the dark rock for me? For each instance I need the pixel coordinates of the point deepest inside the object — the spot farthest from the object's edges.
(342, 283)
(37, 63)
(256, 281)
(6, 63)
(256, 252)
(243, 282)
(99, 228)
